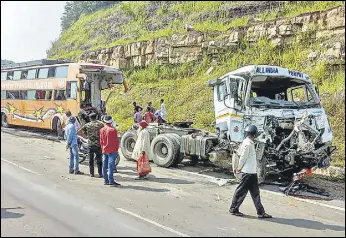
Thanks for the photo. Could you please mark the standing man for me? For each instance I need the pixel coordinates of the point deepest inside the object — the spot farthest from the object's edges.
(163, 113)
(110, 144)
(137, 118)
(149, 116)
(71, 139)
(136, 108)
(249, 182)
(152, 109)
(76, 123)
(92, 130)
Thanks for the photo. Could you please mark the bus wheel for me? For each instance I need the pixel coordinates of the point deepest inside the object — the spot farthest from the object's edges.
(4, 122)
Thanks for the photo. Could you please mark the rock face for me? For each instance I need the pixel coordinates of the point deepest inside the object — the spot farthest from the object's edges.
(193, 45)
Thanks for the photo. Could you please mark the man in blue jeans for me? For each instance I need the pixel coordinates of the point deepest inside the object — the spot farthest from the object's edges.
(110, 144)
(71, 139)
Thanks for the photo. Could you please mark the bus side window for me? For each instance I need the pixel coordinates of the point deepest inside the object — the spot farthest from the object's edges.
(24, 74)
(59, 95)
(61, 72)
(43, 94)
(71, 90)
(43, 73)
(16, 75)
(31, 74)
(3, 94)
(3, 76)
(9, 75)
(51, 72)
(23, 95)
(12, 94)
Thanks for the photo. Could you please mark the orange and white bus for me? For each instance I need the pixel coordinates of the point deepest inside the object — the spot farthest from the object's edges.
(38, 93)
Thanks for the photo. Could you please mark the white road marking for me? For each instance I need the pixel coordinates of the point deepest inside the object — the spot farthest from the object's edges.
(153, 222)
(308, 201)
(21, 167)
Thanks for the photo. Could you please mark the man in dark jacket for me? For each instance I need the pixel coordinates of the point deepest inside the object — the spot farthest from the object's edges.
(92, 130)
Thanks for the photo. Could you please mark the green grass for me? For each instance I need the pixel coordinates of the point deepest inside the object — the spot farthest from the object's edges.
(188, 99)
(93, 31)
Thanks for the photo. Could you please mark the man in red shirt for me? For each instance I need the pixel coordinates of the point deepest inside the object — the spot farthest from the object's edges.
(110, 144)
(149, 116)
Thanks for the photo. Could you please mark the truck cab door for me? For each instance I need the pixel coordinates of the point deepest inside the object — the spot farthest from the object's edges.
(237, 93)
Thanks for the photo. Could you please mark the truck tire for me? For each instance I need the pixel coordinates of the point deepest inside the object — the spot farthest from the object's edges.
(4, 122)
(180, 156)
(165, 150)
(127, 144)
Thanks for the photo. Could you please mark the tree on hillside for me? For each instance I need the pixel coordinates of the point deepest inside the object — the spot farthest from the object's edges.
(74, 9)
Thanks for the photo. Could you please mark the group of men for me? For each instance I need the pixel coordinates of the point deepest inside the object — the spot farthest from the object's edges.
(150, 114)
(103, 145)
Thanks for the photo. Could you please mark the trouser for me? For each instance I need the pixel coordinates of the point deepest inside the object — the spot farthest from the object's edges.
(248, 182)
(74, 157)
(95, 151)
(108, 167)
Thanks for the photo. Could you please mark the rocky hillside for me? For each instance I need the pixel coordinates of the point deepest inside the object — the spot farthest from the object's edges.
(170, 50)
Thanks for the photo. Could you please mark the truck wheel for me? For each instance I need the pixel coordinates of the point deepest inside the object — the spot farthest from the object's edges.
(127, 143)
(4, 122)
(177, 139)
(164, 150)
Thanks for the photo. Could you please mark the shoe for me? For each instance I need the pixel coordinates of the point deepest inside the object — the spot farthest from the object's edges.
(115, 184)
(71, 171)
(100, 176)
(105, 183)
(115, 171)
(264, 216)
(91, 175)
(78, 173)
(238, 214)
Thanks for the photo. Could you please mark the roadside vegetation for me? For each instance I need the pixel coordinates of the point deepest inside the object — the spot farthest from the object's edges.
(132, 21)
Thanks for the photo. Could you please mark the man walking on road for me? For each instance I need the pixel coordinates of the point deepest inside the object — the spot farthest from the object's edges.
(92, 130)
(71, 139)
(247, 169)
(110, 144)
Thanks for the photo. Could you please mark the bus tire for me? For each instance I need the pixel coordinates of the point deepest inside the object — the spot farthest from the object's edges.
(4, 122)
(165, 150)
(127, 144)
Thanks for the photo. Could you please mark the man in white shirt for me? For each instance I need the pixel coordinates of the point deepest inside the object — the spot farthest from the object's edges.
(247, 168)
(163, 113)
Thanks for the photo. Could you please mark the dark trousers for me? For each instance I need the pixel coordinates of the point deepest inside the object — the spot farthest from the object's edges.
(95, 152)
(248, 182)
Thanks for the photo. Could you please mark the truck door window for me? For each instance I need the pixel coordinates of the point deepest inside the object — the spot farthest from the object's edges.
(297, 94)
(221, 91)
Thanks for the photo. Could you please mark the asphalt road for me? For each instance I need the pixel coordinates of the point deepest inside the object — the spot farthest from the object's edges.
(39, 198)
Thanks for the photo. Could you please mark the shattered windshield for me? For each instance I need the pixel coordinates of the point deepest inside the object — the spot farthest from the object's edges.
(282, 93)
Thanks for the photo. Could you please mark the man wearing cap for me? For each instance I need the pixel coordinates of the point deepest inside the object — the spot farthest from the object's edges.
(71, 139)
(109, 144)
(247, 169)
(92, 130)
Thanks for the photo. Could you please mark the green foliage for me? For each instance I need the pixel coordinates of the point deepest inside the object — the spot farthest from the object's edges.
(74, 9)
(123, 22)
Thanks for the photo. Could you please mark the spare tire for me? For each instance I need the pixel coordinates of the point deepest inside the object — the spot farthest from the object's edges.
(165, 150)
(127, 144)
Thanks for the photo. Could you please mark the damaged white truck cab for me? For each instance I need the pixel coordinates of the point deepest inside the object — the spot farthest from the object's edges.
(294, 131)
